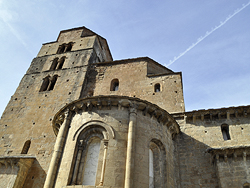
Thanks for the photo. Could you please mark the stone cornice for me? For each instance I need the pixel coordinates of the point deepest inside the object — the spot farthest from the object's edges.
(234, 152)
(220, 113)
(98, 102)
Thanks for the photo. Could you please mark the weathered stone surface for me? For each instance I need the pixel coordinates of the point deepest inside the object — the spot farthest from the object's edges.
(74, 93)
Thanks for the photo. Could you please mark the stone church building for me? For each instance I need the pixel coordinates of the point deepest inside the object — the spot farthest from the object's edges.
(78, 119)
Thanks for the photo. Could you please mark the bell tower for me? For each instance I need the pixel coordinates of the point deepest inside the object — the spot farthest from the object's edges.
(57, 76)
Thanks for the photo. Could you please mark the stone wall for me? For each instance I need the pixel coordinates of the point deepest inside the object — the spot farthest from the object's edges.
(200, 131)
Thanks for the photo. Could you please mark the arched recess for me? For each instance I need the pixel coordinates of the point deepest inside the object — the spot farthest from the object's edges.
(90, 152)
(114, 85)
(157, 164)
(246, 185)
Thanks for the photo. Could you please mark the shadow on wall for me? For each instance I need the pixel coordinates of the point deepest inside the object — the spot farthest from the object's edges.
(36, 176)
(194, 163)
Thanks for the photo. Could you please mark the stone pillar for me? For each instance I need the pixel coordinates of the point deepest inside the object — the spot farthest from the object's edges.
(130, 148)
(24, 166)
(59, 145)
(104, 162)
(78, 160)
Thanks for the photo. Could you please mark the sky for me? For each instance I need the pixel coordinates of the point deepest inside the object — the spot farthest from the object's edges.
(207, 40)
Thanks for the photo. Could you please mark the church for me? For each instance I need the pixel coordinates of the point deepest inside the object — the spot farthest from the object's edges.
(79, 119)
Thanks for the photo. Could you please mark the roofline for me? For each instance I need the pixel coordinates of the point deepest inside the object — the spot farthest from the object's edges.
(76, 28)
(131, 60)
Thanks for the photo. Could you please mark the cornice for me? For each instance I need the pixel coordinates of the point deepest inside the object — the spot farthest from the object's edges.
(224, 153)
(129, 103)
(210, 114)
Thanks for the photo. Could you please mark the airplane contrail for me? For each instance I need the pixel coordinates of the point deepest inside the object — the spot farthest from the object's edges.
(209, 33)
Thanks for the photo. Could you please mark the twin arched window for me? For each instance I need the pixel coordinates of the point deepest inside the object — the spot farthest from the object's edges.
(48, 83)
(65, 48)
(57, 64)
(114, 86)
(157, 164)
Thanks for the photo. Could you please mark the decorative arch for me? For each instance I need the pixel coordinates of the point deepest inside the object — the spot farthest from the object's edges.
(91, 140)
(157, 164)
(109, 132)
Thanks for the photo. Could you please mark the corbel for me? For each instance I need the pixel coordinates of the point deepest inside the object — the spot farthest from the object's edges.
(194, 118)
(228, 115)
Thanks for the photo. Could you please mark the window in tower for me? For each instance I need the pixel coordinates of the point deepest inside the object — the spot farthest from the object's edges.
(54, 64)
(61, 49)
(225, 132)
(157, 88)
(52, 83)
(26, 147)
(69, 47)
(114, 86)
(45, 84)
(48, 83)
(61, 62)
(65, 48)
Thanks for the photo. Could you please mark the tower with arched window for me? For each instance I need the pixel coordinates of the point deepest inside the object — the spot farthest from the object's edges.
(81, 120)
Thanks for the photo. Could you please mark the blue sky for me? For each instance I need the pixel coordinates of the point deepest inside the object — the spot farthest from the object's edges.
(215, 70)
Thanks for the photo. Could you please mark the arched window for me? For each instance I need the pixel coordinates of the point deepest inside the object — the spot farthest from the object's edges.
(61, 62)
(61, 49)
(91, 161)
(151, 169)
(246, 185)
(45, 84)
(157, 164)
(225, 132)
(65, 48)
(26, 147)
(52, 83)
(69, 47)
(157, 88)
(48, 83)
(90, 143)
(54, 64)
(114, 86)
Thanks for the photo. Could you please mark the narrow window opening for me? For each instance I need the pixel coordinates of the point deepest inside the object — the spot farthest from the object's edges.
(114, 85)
(61, 49)
(26, 147)
(225, 132)
(90, 170)
(157, 88)
(69, 47)
(53, 82)
(45, 84)
(151, 169)
(54, 64)
(61, 62)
